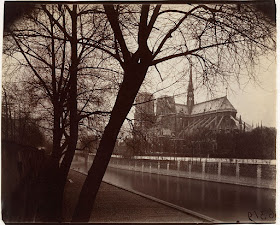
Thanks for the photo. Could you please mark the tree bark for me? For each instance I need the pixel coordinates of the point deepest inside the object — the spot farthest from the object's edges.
(72, 103)
(133, 77)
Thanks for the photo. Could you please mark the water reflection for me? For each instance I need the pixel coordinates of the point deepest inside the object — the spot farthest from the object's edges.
(225, 202)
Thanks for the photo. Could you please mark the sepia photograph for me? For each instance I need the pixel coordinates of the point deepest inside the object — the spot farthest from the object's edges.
(138, 112)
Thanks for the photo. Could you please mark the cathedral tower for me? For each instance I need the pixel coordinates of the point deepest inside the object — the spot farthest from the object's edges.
(190, 96)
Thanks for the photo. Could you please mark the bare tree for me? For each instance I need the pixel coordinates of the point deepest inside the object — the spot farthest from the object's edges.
(219, 40)
(50, 44)
(18, 124)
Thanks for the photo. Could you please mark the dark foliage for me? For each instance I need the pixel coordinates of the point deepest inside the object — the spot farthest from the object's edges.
(23, 130)
(260, 143)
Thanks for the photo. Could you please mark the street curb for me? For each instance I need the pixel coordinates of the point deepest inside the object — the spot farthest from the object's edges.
(184, 210)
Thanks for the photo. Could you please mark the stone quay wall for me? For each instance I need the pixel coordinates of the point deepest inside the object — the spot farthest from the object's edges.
(248, 172)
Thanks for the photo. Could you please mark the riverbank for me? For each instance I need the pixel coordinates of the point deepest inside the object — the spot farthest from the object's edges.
(253, 173)
(116, 205)
(226, 202)
(246, 172)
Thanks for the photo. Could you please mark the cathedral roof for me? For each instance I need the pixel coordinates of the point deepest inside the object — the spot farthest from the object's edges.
(214, 105)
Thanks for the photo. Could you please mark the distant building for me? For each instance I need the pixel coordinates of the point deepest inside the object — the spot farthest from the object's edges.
(144, 115)
(164, 118)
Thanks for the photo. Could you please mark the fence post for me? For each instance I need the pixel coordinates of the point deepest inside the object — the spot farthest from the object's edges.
(158, 166)
(150, 167)
(142, 166)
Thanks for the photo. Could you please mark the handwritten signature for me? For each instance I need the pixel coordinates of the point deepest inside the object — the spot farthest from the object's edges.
(261, 215)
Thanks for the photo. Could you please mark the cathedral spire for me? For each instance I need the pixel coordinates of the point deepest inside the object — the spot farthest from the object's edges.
(190, 97)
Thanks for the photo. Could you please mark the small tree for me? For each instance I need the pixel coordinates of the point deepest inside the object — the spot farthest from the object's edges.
(17, 123)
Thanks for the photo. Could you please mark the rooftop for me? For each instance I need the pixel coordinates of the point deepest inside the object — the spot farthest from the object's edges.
(218, 104)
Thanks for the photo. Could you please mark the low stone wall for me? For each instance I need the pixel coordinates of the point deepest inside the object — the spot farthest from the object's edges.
(20, 169)
(18, 162)
(249, 172)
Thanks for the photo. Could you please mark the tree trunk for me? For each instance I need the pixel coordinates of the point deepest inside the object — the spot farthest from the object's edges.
(48, 192)
(6, 122)
(72, 103)
(133, 78)
(50, 187)
(56, 175)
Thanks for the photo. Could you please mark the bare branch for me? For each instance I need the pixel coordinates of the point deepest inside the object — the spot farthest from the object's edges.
(112, 16)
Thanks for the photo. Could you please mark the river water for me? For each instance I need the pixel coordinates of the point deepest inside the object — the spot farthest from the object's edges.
(224, 202)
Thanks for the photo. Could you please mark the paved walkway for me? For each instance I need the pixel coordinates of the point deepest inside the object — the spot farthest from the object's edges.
(114, 204)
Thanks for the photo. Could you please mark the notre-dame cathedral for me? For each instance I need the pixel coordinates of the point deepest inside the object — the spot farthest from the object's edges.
(164, 118)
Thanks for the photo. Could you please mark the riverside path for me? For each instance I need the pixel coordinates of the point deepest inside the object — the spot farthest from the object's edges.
(117, 205)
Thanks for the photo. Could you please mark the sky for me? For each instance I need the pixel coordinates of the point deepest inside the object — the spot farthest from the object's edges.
(255, 101)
